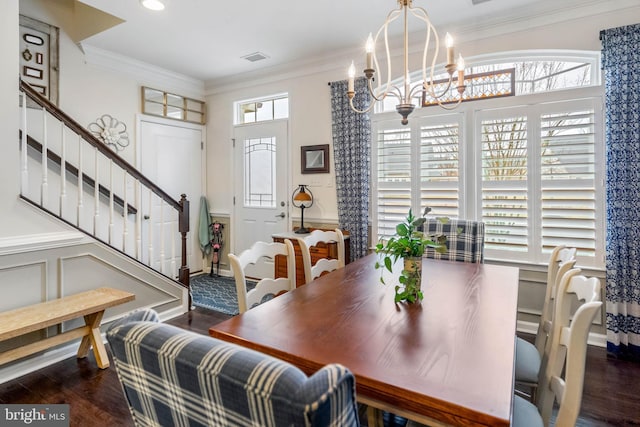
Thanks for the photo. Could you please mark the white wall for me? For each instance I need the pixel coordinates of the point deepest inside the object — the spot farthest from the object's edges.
(90, 86)
(310, 117)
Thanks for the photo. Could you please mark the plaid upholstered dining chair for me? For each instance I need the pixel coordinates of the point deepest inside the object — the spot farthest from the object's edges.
(464, 239)
(175, 377)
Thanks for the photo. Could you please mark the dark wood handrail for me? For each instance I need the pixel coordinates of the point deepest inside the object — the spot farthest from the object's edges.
(87, 136)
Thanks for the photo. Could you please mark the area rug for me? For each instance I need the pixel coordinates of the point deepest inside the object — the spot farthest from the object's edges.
(217, 293)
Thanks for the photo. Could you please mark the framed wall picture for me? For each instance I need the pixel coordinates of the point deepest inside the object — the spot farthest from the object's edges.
(315, 158)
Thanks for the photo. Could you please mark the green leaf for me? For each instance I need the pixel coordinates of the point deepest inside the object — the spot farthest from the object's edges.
(418, 222)
(387, 263)
(402, 230)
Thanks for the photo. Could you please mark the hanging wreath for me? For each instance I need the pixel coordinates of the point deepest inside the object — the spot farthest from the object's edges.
(111, 131)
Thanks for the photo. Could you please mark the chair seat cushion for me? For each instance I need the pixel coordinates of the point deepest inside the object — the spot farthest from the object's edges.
(525, 414)
(527, 361)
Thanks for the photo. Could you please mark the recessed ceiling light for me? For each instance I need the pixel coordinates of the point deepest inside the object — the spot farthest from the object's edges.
(152, 4)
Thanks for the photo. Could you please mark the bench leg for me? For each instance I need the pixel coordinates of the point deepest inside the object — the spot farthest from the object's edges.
(94, 339)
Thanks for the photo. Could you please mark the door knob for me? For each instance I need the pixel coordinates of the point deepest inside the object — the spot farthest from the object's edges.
(281, 215)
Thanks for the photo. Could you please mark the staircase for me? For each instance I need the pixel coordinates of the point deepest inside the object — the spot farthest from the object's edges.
(68, 173)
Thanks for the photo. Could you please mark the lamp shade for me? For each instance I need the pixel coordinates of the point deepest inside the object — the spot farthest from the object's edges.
(302, 198)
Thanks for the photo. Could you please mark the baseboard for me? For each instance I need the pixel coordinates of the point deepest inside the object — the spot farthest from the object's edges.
(221, 272)
(598, 340)
(38, 362)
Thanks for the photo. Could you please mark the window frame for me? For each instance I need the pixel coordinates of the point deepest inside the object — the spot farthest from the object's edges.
(470, 163)
(238, 119)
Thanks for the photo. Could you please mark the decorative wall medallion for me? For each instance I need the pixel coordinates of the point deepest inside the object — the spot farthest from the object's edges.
(111, 131)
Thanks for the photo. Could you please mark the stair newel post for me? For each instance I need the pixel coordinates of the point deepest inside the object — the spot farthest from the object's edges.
(183, 228)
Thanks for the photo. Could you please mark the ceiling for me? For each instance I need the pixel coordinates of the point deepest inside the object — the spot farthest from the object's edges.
(206, 39)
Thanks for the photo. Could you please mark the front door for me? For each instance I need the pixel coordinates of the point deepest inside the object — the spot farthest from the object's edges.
(260, 187)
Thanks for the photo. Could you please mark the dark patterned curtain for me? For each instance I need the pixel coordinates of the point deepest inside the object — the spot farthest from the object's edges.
(352, 154)
(621, 64)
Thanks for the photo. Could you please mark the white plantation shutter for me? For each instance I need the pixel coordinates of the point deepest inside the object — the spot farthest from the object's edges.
(568, 180)
(394, 178)
(531, 175)
(439, 168)
(505, 206)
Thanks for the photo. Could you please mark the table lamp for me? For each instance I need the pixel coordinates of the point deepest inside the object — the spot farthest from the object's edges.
(302, 198)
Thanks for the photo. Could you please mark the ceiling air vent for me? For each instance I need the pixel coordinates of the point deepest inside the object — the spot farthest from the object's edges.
(255, 56)
(478, 1)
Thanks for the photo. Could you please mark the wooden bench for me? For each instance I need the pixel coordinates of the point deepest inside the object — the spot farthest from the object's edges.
(90, 304)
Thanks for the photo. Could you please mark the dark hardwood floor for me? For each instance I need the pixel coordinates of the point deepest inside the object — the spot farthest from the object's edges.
(611, 394)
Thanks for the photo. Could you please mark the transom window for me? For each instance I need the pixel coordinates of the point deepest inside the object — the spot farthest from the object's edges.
(532, 75)
(262, 109)
(528, 169)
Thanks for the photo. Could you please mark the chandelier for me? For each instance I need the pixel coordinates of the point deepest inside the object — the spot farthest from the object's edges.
(405, 93)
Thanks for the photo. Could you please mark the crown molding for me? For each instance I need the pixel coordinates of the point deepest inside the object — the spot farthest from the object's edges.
(143, 72)
(534, 16)
(525, 18)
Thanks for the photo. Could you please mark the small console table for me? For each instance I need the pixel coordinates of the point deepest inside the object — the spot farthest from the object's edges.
(317, 252)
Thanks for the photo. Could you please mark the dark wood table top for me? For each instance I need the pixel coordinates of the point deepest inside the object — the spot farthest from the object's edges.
(449, 359)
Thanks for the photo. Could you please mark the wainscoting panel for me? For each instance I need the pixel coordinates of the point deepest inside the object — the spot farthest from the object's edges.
(31, 273)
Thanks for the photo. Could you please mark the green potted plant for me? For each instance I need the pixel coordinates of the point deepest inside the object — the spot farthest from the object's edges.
(409, 243)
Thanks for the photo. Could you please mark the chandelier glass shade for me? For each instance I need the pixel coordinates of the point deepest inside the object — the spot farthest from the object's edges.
(404, 92)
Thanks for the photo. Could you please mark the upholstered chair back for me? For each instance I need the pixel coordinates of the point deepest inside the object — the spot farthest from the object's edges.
(465, 239)
(172, 377)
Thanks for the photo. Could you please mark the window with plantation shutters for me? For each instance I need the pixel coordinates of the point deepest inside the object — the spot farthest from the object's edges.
(567, 170)
(393, 178)
(434, 163)
(505, 207)
(439, 168)
(530, 167)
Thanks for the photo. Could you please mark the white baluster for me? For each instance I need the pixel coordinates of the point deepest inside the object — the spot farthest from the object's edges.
(139, 221)
(96, 193)
(44, 188)
(80, 182)
(23, 144)
(111, 190)
(150, 227)
(125, 214)
(162, 243)
(63, 170)
(174, 235)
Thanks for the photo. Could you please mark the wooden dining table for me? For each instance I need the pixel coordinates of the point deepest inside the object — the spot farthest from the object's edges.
(448, 360)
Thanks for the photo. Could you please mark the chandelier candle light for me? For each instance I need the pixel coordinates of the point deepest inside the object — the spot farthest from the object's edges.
(406, 93)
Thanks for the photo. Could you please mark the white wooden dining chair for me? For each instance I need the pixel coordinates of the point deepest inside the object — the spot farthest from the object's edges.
(562, 376)
(311, 270)
(266, 286)
(529, 355)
